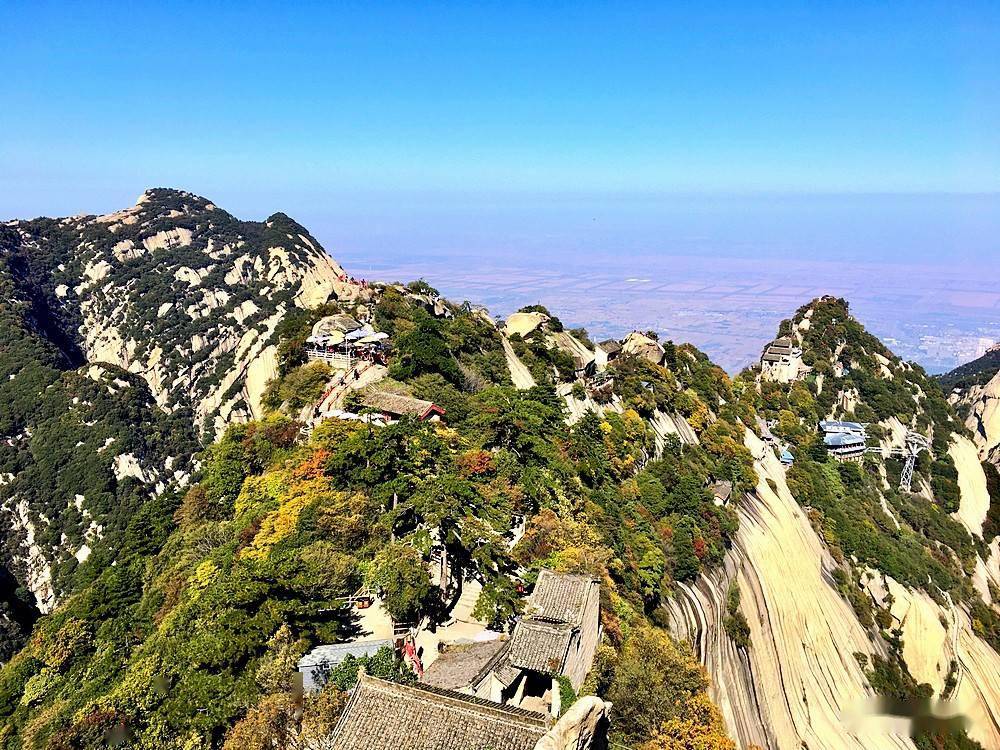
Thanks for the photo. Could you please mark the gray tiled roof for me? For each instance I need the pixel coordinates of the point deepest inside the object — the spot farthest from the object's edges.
(387, 716)
(540, 645)
(561, 597)
(507, 672)
(397, 404)
(459, 664)
(610, 346)
(722, 489)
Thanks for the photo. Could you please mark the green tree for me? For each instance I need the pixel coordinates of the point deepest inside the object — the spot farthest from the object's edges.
(652, 679)
(523, 422)
(685, 562)
(424, 351)
(407, 591)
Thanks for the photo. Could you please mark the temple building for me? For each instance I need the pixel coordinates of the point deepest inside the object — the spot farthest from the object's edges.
(395, 406)
(556, 637)
(845, 441)
(384, 715)
(722, 492)
(605, 353)
(782, 361)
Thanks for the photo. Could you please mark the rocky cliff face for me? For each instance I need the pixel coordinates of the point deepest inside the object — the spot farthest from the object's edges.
(974, 390)
(821, 601)
(181, 293)
(121, 337)
(799, 680)
(804, 681)
(981, 406)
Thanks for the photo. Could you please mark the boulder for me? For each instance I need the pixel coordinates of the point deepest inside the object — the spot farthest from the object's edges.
(583, 727)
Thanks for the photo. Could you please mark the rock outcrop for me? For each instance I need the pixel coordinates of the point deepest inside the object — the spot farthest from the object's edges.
(975, 496)
(800, 681)
(983, 405)
(583, 727)
(975, 392)
(520, 375)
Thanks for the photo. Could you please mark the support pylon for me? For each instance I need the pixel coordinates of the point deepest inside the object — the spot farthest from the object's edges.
(906, 478)
(915, 442)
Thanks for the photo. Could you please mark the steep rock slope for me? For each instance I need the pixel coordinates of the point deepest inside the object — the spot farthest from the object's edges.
(984, 418)
(862, 589)
(84, 451)
(798, 680)
(181, 293)
(975, 391)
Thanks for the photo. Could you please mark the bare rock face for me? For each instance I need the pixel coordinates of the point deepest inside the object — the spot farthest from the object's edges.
(184, 295)
(794, 685)
(975, 392)
(983, 402)
(583, 727)
(805, 677)
(642, 346)
(799, 682)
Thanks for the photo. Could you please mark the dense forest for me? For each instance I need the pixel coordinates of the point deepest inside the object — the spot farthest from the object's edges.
(977, 372)
(62, 430)
(196, 642)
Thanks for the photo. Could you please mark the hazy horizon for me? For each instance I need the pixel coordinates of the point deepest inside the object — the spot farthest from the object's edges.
(717, 270)
(714, 150)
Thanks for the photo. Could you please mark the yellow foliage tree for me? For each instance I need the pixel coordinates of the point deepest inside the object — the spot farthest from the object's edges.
(281, 720)
(698, 725)
(281, 523)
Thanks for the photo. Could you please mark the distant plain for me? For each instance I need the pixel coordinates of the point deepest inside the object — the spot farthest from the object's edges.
(718, 271)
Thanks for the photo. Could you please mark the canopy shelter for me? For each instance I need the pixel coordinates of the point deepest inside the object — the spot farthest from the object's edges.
(333, 338)
(341, 349)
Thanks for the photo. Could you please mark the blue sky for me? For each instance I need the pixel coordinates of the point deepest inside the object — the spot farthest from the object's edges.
(382, 108)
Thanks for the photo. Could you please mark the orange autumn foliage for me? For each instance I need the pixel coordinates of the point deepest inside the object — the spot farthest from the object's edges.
(313, 466)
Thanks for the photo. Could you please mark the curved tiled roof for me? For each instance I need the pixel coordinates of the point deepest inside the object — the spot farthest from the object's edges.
(384, 715)
(460, 664)
(561, 597)
(399, 405)
(540, 645)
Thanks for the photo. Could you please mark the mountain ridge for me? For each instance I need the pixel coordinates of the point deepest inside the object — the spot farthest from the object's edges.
(224, 278)
(215, 569)
(116, 324)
